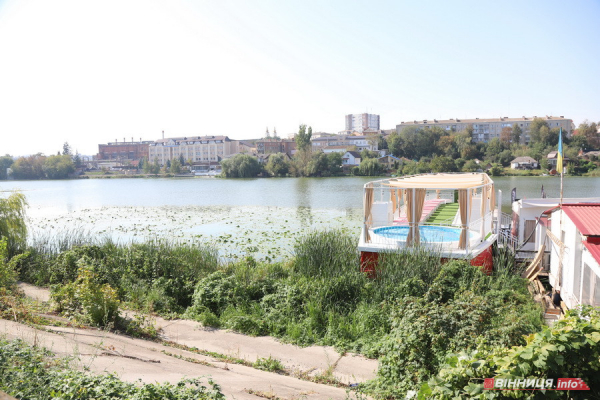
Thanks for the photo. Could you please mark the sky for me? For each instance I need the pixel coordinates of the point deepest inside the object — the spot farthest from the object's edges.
(89, 72)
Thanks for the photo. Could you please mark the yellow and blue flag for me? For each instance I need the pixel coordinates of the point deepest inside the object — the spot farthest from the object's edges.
(559, 158)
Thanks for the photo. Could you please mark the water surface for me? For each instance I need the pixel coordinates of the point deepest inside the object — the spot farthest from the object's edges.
(242, 216)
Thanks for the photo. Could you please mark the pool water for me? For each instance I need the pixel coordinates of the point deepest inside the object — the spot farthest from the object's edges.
(432, 234)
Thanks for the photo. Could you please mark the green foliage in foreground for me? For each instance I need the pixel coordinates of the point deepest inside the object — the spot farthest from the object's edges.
(151, 276)
(12, 222)
(570, 349)
(30, 373)
(414, 314)
(87, 299)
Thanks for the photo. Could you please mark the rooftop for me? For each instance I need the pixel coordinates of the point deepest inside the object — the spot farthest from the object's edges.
(586, 217)
(192, 139)
(481, 120)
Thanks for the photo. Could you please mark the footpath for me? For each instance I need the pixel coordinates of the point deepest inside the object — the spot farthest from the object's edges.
(170, 360)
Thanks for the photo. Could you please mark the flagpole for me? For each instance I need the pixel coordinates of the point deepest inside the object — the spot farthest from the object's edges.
(560, 164)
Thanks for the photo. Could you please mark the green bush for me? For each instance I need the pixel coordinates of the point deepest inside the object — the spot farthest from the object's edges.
(31, 373)
(569, 349)
(8, 275)
(153, 276)
(87, 299)
(215, 293)
(461, 309)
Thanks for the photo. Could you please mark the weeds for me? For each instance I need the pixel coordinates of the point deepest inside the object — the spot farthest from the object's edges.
(29, 372)
(269, 364)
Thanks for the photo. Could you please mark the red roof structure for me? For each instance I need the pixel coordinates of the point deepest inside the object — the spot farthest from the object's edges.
(594, 249)
(585, 216)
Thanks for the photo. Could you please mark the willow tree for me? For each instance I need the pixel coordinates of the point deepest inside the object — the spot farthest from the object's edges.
(12, 222)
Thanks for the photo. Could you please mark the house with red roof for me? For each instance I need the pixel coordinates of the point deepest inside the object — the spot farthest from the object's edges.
(573, 231)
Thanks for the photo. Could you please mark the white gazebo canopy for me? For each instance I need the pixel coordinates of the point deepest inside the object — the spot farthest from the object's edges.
(440, 181)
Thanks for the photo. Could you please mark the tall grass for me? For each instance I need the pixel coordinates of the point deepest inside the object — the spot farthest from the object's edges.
(156, 275)
(326, 254)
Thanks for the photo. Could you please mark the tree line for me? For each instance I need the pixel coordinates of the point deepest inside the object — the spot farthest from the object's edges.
(424, 150)
(38, 166)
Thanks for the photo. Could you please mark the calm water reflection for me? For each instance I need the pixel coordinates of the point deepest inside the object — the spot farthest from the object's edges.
(208, 207)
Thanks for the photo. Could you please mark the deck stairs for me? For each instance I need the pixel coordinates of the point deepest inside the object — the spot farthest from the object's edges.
(444, 214)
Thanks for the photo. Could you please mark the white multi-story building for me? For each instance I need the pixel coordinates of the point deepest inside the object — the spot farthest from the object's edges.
(343, 142)
(485, 129)
(362, 122)
(199, 149)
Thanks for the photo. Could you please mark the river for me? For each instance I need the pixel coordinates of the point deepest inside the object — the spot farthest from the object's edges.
(241, 216)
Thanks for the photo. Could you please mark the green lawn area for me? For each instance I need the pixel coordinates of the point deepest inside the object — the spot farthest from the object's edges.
(444, 213)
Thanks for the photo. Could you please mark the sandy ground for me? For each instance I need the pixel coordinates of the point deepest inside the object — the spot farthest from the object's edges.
(135, 359)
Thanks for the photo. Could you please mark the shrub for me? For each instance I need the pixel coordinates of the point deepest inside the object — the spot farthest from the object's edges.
(569, 349)
(31, 373)
(214, 293)
(8, 275)
(85, 298)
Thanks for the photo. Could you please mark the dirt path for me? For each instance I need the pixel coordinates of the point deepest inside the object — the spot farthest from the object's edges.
(134, 359)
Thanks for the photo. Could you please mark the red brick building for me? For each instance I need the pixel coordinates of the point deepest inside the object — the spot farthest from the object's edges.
(123, 150)
(275, 145)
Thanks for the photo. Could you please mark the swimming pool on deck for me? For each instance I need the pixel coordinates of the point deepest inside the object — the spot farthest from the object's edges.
(429, 234)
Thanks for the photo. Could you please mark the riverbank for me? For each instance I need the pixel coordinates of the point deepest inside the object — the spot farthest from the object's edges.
(319, 297)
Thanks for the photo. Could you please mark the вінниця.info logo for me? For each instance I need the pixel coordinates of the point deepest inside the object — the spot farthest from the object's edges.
(534, 384)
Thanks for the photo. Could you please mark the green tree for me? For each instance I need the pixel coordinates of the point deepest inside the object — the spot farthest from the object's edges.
(58, 167)
(470, 166)
(303, 138)
(181, 160)
(175, 167)
(168, 165)
(66, 149)
(496, 170)
(318, 165)
(278, 165)
(155, 167)
(77, 160)
(505, 157)
(13, 228)
(146, 166)
(370, 167)
(493, 149)
(334, 160)
(5, 163)
(368, 154)
(241, 166)
(395, 144)
(589, 132)
(516, 133)
(442, 164)
(31, 167)
(538, 131)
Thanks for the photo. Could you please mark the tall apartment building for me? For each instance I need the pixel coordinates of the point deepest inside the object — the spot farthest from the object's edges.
(121, 151)
(202, 150)
(361, 122)
(485, 129)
